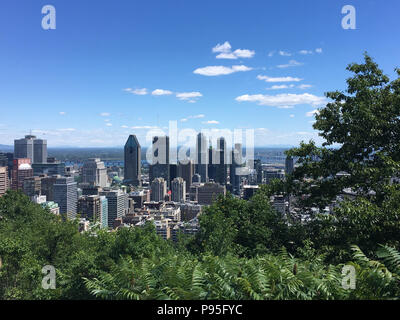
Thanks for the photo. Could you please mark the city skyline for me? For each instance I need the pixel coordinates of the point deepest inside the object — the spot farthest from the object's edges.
(131, 69)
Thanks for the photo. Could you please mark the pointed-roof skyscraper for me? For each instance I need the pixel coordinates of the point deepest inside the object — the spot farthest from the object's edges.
(132, 158)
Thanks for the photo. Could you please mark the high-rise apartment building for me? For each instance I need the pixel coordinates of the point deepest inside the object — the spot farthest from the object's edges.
(3, 180)
(178, 188)
(158, 189)
(89, 207)
(94, 173)
(6, 160)
(202, 157)
(32, 186)
(65, 194)
(117, 204)
(132, 161)
(32, 148)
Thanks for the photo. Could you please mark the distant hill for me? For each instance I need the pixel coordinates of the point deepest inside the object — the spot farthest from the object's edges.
(7, 148)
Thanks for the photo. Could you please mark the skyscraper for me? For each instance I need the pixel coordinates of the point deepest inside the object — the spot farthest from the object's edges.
(212, 166)
(178, 190)
(132, 161)
(289, 166)
(236, 163)
(32, 148)
(94, 173)
(159, 167)
(221, 174)
(158, 189)
(202, 157)
(186, 171)
(65, 194)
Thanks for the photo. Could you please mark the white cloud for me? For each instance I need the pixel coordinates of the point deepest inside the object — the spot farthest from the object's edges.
(305, 52)
(67, 130)
(280, 87)
(108, 124)
(291, 63)
(62, 113)
(244, 53)
(278, 79)
(161, 92)
(311, 113)
(211, 122)
(144, 127)
(226, 55)
(271, 53)
(140, 92)
(224, 51)
(225, 47)
(285, 101)
(284, 53)
(212, 71)
(188, 96)
(291, 115)
(318, 50)
(124, 126)
(197, 116)
(105, 114)
(304, 86)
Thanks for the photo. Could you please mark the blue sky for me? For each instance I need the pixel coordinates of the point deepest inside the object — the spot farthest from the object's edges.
(216, 64)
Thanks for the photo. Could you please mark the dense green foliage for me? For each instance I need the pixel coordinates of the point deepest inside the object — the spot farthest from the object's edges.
(244, 249)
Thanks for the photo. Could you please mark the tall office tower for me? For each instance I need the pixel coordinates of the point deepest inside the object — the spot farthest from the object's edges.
(186, 172)
(289, 165)
(173, 172)
(65, 194)
(202, 157)
(89, 207)
(158, 189)
(209, 192)
(3, 180)
(32, 186)
(117, 204)
(212, 167)
(132, 161)
(47, 186)
(6, 160)
(258, 168)
(32, 148)
(178, 190)
(21, 169)
(39, 151)
(94, 173)
(159, 167)
(221, 174)
(103, 212)
(236, 164)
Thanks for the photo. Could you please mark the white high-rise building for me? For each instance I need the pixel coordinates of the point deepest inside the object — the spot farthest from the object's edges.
(95, 173)
(158, 189)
